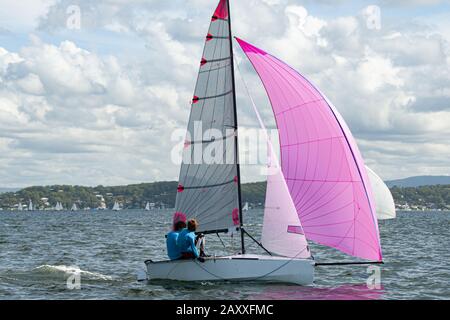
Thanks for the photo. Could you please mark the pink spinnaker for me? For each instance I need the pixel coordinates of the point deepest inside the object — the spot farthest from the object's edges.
(282, 232)
(320, 161)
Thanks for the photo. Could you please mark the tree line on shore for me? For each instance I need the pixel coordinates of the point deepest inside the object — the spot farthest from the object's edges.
(163, 194)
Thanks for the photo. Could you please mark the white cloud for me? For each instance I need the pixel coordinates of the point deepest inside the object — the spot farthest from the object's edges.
(107, 119)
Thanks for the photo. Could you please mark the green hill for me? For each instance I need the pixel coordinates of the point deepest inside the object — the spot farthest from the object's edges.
(163, 194)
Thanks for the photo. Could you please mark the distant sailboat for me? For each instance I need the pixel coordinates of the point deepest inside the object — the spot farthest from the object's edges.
(19, 206)
(59, 206)
(147, 206)
(74, 207)
(245, 207)
(116, 206)
(30, 206)
(384, 202)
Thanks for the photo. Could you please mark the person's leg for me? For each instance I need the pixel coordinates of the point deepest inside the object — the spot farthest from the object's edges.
(200, 244)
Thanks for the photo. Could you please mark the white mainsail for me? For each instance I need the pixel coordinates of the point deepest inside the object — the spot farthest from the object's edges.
(245, 207)
(19, 206)
(74, 207)
(30, 206)
(384, 202)
(147, 206)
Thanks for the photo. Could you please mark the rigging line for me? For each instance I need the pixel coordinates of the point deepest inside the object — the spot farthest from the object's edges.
(201, 111)
(284, 264)
(257, 242)
(220, 238)
(318, 264)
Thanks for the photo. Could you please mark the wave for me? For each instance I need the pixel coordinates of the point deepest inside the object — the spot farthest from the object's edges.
(70, 270)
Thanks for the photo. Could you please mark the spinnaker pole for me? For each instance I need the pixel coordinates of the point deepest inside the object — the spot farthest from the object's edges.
(236, 150)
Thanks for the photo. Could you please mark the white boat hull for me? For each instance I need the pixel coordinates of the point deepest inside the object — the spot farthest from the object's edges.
(235, 268)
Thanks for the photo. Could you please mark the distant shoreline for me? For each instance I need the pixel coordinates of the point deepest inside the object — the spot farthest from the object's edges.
(163, 195)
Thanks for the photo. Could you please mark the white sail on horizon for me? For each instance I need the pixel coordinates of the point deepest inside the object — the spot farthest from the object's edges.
(147, 206)
(116, 206)
(59, 206)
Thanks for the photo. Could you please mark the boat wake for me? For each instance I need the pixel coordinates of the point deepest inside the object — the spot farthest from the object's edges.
(46, 274)
(70, 270)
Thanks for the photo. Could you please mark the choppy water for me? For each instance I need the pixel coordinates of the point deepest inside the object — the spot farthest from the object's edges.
(39, 251)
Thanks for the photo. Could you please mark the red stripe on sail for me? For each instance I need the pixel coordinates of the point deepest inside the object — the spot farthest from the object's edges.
(235, 216)
(180, 188)
(221, 11)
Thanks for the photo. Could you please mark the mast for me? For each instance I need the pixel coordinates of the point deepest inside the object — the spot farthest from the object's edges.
(236, 150)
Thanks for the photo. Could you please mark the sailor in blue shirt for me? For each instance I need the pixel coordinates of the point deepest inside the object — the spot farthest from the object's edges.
(187, 241)
(173, 250)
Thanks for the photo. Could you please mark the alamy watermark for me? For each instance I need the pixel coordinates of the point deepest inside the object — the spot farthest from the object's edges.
(74, 280)
(372, 14)
(373, 282)
(73, 21)
(213, 146)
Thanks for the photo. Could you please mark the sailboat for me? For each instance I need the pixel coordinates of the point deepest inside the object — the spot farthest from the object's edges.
(59, 206)
(30, 206)
(384, 202)
(116, 206)
(147, 206)
(74, 207)
(19, 206)
(318, 192)
(245, 207)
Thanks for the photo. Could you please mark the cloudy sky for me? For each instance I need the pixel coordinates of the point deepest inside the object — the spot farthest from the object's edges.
(98, 104)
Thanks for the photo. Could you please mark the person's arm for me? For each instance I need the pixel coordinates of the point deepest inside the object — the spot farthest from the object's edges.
(192, 245)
